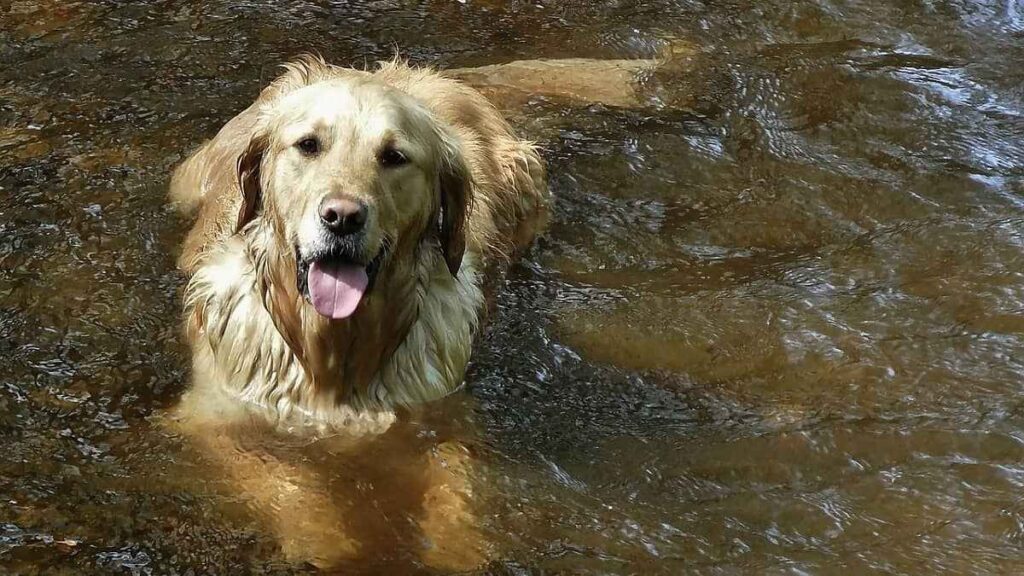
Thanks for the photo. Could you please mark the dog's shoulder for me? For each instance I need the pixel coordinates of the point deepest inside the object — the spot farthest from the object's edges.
(510, 193)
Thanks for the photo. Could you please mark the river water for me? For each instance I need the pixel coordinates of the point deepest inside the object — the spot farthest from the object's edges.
(775, 327)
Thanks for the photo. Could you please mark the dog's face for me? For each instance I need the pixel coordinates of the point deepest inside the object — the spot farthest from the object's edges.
(345, 172)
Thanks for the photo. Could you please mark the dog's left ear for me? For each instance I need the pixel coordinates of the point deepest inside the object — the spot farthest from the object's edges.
(249, 180)
(456, 189)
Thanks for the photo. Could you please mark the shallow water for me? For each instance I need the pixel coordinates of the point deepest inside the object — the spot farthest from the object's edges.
(776, 326)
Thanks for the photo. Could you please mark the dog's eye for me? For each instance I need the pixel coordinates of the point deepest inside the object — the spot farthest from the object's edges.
(308, 146)
(390, 157)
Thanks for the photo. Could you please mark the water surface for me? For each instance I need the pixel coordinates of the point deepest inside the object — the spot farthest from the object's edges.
(776, 326)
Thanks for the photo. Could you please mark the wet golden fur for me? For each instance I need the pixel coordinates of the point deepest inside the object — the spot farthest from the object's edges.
(252, 333)
(449, 227)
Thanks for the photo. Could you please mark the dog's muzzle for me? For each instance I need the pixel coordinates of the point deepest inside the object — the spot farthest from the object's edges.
(336, 277)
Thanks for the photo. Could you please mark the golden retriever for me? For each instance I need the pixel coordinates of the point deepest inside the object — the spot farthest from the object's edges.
(350, 226)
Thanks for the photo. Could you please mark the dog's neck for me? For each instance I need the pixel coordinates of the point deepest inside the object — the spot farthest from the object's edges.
(343, 356)
(408, 342)
(256, 339)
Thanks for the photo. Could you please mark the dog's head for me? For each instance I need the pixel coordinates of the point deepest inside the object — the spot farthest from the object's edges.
(346, 170)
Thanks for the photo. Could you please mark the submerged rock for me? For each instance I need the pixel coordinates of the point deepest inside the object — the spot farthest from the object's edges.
(620, 83)
(580, 80)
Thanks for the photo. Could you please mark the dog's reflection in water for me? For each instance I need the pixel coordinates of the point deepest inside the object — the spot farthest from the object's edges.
(404, 496)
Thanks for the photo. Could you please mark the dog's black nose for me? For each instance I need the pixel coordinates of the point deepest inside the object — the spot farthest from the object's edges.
(343, 216)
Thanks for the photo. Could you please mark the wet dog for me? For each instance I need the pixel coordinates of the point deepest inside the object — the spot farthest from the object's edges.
(348, 228)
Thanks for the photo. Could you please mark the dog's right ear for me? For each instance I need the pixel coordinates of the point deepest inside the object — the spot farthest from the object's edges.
(249, 180)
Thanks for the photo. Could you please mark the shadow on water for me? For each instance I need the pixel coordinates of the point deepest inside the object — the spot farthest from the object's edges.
(779, 328)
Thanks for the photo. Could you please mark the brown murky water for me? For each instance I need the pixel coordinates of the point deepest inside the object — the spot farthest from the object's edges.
(779, 329)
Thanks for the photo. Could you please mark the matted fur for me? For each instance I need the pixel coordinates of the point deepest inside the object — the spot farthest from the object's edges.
(256, 340)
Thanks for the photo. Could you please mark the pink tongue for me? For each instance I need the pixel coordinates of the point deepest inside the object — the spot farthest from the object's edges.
(336, 289)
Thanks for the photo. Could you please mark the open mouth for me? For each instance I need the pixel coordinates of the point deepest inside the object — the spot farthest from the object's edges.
(336, 282)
